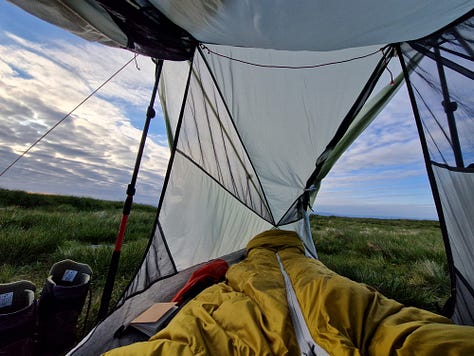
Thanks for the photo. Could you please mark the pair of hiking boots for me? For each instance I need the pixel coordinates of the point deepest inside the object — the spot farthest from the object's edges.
(46, 326)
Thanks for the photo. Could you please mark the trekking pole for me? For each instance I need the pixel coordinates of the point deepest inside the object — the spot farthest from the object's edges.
(113, 267)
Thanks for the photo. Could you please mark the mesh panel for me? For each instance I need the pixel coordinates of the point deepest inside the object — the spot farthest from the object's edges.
(446, 106)
(156, 265)
(442, 85)
(209, 139)
(463, 314)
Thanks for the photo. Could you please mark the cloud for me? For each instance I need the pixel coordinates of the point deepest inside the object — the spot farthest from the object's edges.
(382, 174)
(92, 153)
(391, 141)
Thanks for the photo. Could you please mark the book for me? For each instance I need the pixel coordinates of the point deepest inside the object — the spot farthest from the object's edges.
(154, 318)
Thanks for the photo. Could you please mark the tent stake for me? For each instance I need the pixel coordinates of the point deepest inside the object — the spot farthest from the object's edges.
(127, 207)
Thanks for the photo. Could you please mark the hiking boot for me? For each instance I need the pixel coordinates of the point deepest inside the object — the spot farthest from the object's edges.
(17, 318)
(60, 305)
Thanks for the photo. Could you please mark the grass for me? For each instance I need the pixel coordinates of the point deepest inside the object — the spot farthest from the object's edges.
(404, 259)
(38, 230)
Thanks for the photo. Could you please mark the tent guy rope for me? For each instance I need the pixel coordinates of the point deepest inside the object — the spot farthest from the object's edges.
(283, 66)
(68, 114)
(308, 66)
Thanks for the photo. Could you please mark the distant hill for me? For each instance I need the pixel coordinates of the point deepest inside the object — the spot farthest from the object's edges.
(48, 201)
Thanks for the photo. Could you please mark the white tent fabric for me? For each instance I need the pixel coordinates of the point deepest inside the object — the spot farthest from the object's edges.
(200, 220)
(240, 160)
(455, 193)
(316, 101)
(83, 18)
(315, 25)
(172, 88)
(455, 189)
(305, 25)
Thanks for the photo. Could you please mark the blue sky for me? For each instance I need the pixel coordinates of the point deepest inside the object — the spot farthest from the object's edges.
(45, 72)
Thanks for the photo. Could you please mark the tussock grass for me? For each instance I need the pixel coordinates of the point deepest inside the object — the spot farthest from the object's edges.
(404, 259)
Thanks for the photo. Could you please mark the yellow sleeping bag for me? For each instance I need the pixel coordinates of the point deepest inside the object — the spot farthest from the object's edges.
(249, 315)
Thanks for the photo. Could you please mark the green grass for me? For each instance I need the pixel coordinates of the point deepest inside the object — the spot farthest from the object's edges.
(404, 259)
(38, 230)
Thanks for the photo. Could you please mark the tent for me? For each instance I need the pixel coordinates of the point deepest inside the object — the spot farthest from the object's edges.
(261, 98)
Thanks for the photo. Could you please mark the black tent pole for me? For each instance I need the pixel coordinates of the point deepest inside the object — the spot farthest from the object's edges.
(449, 306)
(109, 283)
(449, 108)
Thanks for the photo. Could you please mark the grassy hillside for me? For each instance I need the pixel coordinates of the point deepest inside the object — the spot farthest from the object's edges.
(404, 259)
(38, 230)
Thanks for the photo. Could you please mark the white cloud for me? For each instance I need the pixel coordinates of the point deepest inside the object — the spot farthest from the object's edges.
(92, 153)
(382, 174)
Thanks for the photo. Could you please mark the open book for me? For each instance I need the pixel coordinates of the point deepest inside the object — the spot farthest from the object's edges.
(156, 316)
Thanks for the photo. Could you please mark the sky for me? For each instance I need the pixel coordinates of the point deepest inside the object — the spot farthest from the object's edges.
(45, 72)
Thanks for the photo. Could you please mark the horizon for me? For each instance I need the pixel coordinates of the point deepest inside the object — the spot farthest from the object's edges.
(93, 152)
(313, 213)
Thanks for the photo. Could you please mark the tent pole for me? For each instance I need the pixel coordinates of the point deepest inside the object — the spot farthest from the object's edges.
(113, 267)
(449, 306)
(449, 108)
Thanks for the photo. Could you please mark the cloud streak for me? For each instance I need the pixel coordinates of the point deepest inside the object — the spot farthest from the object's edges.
(93, 152)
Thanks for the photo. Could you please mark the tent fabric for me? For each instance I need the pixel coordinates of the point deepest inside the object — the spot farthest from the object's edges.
(316, 101)
(86, 19)
(262, 24)
(458, 210)
(311, 25)
(343, 317)
(227, 167)
(172, 90)
(210, 140)
(442, 85)
(213, 218)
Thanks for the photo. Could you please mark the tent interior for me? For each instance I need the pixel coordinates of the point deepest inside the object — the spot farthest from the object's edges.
(260, 100)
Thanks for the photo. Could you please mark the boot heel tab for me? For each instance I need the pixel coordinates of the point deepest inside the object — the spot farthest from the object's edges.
(16, 296)
(70, 272)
